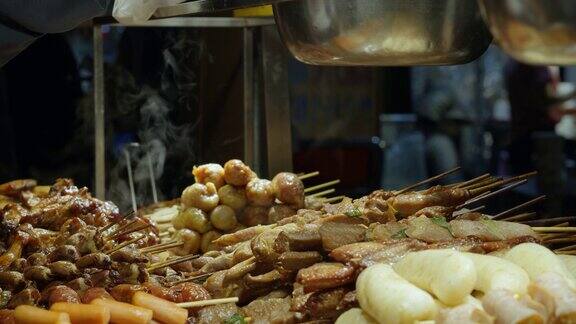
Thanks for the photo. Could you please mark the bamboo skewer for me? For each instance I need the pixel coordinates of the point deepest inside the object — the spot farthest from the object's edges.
(471, 181)
(567, 248)
(554, 229)
(571, 239)
(135, 229)
(121, 228)
(544, 221)
(473, 210)
(161, 247)
(206, 275)
(520, 207)
(434, 178)
(124, 244)
(171, 262)
(321, 193)
(209, 302)
(308, 175)
(164, 234)
(482, 195)
(333, 199)
(482, 183)
(519, 217)
(322, 186)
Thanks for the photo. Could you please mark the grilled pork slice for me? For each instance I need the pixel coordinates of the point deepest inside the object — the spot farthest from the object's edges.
(552, 290)
(507, 310)
(325, 275)
(335, 235)
(489, 230)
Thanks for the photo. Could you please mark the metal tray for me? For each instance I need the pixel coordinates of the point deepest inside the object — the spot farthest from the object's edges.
(382, 32)
(534, 31)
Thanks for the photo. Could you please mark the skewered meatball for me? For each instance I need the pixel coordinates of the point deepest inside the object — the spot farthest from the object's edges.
(223, 218)
(37, 258)
(203, 196)
(97, 260)
(191, 241)
(192, 218)
(254, 215)
(232, 197)
(279, 212)
(64, 253)
(63, 269)
(260, 193)
(211, 172)
(38, 274)
(12, 280)
(237, 173)
(207, 239)
(289, 189)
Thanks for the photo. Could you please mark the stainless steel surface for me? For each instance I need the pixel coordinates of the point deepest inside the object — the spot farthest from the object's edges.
(534, 31)
(205, 22)
(99, 122)
(209, 6)
(383, 32)
(276, 102)
(248, 83)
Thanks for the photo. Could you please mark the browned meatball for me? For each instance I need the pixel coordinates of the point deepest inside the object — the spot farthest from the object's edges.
(260, 193)
(211, 172)
(254, 215)
(289, 189)
(237, 173)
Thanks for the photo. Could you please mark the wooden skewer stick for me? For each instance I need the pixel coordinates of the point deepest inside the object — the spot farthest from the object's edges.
(135, 229)
(573, 252)
(161, 247)
(544, 221)
(482, 183)
(434, 178)
(124, 244)
(171, 262)
(121, 228)
(567, 248)
(105, 228)
(554, 229)
(483, 195)
(473, 210)
(322, 186)
(164, 234)
(308, 175)
(471, 181)
(559, 240)
(202, 276)
(333, 199)
(322, 193)
(209, 302)
(512, 210)
(519, 217)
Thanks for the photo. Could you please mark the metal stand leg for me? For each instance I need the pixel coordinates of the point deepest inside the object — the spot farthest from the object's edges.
(276, 102)
(99, 124)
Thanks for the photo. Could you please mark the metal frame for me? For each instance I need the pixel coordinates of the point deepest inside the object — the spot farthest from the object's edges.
(263, 53)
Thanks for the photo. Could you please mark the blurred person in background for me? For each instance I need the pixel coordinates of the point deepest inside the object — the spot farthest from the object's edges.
(536, 106)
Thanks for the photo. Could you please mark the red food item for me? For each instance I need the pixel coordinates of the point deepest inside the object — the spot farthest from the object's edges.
(95, 293)
(60, 294)
(123, 292)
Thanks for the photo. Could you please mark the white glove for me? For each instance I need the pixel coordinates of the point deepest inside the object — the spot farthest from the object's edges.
(129, 12)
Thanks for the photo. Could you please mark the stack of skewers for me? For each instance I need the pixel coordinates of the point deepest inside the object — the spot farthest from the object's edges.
(315, 265)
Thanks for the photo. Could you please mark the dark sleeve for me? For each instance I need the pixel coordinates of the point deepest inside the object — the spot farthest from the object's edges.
(22, 21)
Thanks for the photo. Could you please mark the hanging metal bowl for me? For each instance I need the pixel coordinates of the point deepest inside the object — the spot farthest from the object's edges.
(534, 31)
(382, 32)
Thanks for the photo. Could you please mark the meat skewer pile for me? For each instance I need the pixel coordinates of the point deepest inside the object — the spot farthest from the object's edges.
(63, 245)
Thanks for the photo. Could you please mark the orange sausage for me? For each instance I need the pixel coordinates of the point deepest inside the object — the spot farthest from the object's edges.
(25, 314)
(122, 313)
(83, 314)
(164, 311)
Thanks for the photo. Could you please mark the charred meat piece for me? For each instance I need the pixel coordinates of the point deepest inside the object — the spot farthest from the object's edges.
(356, 251)
(28, 296)
(409, 203)
(124, 292)
(392, 252)
(325, 304)
(63, 269)
(435, 211)
(95, 293)
(79, 285)
(335, 235)
(12, 280)
(104, 278)
(272, 310)
(94, 260)
(269, 279)
(37, 259)
(130, 255)
(14, 187)
(13, 253)
(294, 261)
(40, 274)
(489, 247)
(64, 253)
(59, 294)
(217, 313)
(325, 275)
(303, 239)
